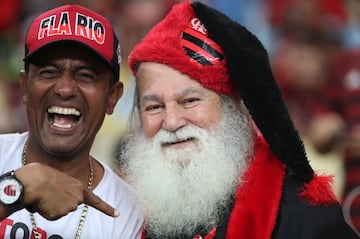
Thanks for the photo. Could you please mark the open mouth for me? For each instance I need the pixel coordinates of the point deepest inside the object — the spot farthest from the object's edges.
(61, 117)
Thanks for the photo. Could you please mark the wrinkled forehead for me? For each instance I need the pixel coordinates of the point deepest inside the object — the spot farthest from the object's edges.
(66, 51)
(163, 79)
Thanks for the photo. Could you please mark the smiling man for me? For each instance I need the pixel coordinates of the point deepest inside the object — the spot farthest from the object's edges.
(213, 152)
(51, 187)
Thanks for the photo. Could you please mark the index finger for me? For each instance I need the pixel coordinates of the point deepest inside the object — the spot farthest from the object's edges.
(96, 202)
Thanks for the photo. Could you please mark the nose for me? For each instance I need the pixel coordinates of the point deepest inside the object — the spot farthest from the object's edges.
(65, 87)
(174, 118)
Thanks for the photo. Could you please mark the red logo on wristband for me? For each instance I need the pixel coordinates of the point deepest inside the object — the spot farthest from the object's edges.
(10, 190)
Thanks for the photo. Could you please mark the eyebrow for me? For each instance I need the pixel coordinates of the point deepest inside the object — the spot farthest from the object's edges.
(187, 91)
(191, 90)
(76, 66)
(150, 97)
(86, 67)
(43, 63)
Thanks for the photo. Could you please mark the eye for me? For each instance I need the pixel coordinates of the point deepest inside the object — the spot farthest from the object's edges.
(48, 72)
(85, 76)
(190, 102)
(152, 108)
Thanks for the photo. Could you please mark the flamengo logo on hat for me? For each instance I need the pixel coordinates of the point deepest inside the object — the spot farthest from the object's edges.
(198, 46)
(198, 26)
(85, 26)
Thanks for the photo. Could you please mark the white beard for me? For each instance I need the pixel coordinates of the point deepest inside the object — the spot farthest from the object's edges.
(184, 188)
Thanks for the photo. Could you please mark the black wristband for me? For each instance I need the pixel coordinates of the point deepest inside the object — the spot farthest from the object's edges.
(11, 191)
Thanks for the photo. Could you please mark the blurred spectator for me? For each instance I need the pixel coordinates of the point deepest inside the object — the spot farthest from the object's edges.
(136, 17)
(351, 30)
(254, 14)
(10, 109)
(9, 13)
(301, 65)
(307, 14)
(343, 92)
(270, 20)
(322, 89)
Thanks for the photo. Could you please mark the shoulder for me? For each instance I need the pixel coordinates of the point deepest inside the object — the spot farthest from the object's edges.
(11, 146)
(323, 219)
(17, 138)
(113, 187)
(115, 191)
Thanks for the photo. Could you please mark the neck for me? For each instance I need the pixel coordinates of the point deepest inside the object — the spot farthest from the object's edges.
(76, 166)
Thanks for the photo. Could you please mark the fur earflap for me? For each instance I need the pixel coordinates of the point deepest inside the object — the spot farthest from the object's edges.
(319, 191)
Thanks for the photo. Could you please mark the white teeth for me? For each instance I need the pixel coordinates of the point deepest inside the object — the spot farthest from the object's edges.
(63, 111)
(64, 126)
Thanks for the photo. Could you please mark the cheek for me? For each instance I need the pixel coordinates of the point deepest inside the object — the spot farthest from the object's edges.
(150, 124)
(206, 117)
(94, 98)
(37, 93)
(34, 95)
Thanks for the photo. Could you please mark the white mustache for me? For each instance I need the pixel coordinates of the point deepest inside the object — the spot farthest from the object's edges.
(183, 134)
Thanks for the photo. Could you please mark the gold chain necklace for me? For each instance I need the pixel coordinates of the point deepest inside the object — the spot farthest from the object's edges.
(84, 212)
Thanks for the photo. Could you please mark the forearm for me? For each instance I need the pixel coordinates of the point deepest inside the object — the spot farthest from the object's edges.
(4, 212)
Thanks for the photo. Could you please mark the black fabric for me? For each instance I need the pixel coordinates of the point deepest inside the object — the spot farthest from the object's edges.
(203, 45)
(220, 230)
(197, 57)
(299, 220)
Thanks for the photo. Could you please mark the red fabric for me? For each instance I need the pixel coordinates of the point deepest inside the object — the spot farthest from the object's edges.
(258, 198)
(319, 191)
(210, 235)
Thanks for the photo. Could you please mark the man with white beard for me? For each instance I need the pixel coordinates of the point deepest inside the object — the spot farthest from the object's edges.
(177, 178)
(213, 152)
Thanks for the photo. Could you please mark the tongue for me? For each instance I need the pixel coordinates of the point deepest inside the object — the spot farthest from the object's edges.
(64, 120)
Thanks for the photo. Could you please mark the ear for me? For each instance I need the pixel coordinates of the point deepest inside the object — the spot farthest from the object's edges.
(23, 84)
(116, 92)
